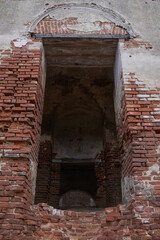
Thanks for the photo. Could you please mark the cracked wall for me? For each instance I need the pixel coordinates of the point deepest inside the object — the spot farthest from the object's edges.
(137, 115)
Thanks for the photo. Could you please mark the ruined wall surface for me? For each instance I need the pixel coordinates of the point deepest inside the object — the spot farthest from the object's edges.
(137, 115)
(142, 15)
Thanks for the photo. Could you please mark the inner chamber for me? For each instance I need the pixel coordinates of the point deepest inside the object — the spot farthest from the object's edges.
(79, 164)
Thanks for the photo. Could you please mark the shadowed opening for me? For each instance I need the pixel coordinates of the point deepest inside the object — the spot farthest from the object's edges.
(79, 162)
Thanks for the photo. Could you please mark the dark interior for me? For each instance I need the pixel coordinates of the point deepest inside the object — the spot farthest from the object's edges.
(78, 127)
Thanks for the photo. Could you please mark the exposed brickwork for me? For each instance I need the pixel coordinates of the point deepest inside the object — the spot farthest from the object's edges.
(113, 174)
(21, 102)
(140, 130)
(44, 172)
(48, 176)
(118, 223)
(140, 152)
(20, 106)
(139, 133)
(58, 224)
(51, 25)
(107, 172)
(101, 183)
(122, 223)
(54, 192)
(137, 43)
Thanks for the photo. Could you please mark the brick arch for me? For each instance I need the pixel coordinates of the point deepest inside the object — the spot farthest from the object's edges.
(81, 19)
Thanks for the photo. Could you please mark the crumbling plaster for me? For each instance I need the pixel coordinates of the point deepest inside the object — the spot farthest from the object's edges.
(118, 84)
(144, 64)
(142, 15)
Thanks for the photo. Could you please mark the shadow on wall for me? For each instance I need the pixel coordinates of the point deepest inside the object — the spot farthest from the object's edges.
(78, 128)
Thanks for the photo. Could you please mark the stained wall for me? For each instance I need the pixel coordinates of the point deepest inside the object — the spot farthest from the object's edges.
(137, 114)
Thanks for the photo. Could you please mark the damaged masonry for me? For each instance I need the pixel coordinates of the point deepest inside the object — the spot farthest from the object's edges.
(79, 120)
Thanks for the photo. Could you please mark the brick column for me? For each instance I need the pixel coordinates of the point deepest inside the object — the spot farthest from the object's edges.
(140, 138)
(113, 175)
(44, 172)
(54, 191)
(20, 110)
(101, 184)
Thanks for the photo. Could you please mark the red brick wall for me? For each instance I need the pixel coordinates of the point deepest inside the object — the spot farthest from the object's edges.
(139, 154)
(107, 172)
(115, 223)
(54, 192)
(113, 174)
(44, 172)
(20, 115)
(50, 25)
(21, 109)
(48, 176)
(140, 133)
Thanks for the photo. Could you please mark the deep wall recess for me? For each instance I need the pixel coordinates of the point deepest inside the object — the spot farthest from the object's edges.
(116, 78)
(79, 124)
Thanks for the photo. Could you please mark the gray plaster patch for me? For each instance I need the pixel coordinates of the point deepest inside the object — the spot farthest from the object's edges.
(20, 42)
(153, 168)
(5, 41)
(33, 170)
(118, 82)
(45, 137)
(141, 62)
(158, 149)
(83, 27)
(2, 164)
(127, 185)
(78, 13)
(43, 67)
(35, 45)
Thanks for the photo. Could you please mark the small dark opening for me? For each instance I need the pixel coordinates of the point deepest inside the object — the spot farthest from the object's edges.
(80, 178)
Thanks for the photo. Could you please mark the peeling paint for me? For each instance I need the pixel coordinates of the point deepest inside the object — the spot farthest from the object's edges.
(79, 14)
(2, 164)
(20, 42)
(158, 149)
(35, 45)
(153, 168)
(143, 63)
(85, 13)
(127, 186)
(33, 171)
(84, 27)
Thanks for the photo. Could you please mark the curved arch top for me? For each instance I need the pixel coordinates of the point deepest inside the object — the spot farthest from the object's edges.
(88, 16)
